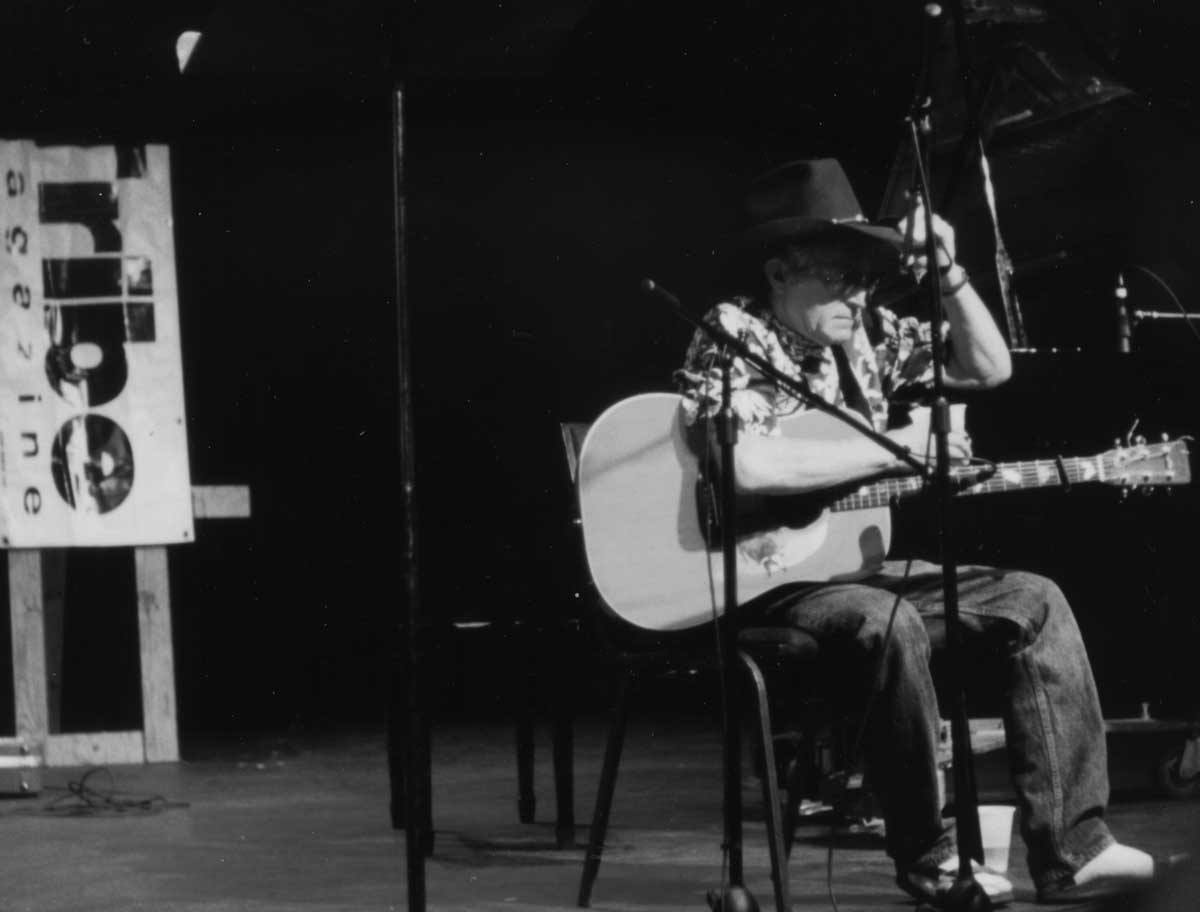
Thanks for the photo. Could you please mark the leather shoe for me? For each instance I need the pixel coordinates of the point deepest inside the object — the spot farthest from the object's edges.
(931, 887)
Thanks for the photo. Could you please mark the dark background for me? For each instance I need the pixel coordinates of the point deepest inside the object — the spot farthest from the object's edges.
(556, 153)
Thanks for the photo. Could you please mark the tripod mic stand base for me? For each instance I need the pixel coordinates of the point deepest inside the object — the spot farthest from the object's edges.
(736, 899)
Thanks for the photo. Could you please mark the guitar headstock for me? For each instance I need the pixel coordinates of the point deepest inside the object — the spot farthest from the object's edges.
(1140, 464)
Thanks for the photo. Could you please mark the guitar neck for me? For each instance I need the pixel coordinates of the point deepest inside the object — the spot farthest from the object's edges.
(1009, 476)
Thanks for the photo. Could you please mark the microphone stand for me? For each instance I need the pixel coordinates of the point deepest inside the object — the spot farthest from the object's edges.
(733, 896)
(966, 893)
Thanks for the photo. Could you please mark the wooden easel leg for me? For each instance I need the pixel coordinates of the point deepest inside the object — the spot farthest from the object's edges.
(158, 662)
(28, 647)
(54, 581)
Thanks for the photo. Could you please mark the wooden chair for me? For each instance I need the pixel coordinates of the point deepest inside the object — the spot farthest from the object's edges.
(638, 657)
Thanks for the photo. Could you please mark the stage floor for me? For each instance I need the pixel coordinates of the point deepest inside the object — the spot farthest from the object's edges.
(267, 824)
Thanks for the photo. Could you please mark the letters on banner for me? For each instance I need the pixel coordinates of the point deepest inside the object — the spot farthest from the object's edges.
(93, 444)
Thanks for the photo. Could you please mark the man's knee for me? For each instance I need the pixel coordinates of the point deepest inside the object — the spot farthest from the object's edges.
(1034, 603)
(896, 622)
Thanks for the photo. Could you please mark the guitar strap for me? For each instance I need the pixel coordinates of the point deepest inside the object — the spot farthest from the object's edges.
(851, 389)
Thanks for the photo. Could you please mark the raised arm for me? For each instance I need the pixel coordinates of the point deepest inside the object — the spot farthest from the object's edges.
(978, 355)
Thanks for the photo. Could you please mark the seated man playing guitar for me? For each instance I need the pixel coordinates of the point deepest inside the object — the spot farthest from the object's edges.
(812, 259)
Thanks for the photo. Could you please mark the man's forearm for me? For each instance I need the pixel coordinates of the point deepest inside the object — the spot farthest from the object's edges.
(979, 356)
(781, 465)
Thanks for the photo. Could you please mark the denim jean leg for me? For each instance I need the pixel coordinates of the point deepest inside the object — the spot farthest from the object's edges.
(900, 740)
(1055, 731)
(1056, 740)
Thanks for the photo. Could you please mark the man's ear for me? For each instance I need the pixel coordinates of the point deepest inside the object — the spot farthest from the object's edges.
(776, 273)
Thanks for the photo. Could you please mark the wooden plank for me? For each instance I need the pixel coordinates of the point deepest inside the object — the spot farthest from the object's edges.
(220, 501)
(28, 646)
(158, 659)
(54, 581)
(95, 748)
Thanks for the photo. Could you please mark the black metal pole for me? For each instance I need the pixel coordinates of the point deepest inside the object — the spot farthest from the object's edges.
(416, 753)
(966, 892)
(727, 438)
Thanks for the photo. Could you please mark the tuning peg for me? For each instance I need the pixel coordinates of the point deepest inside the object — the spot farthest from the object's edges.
(1129, 433)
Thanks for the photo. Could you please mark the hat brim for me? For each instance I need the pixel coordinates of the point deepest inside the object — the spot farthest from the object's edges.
(876, 247)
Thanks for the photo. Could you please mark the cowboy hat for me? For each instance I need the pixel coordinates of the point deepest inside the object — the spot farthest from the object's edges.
(810, 200)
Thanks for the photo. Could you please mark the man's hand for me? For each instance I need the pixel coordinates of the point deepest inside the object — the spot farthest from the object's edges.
(979, 356)
(913, 253)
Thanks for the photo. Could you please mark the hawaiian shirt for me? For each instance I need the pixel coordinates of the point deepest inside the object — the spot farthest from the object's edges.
(890, 357)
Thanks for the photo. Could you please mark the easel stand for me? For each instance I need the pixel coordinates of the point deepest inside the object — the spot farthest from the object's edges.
(36, 586)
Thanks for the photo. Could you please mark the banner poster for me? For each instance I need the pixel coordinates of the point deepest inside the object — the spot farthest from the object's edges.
(93, 445)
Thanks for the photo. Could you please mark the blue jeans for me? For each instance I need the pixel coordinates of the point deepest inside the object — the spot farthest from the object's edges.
(1055, 731)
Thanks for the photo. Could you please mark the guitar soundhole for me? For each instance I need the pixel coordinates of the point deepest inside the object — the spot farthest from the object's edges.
(795, 510)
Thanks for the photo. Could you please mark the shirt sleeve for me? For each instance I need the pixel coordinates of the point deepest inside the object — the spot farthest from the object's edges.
(700, 378)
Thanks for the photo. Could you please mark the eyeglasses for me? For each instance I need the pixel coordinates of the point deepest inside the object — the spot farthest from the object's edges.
(841, 280)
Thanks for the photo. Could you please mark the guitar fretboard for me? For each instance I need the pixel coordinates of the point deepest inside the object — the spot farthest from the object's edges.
(1010, 476)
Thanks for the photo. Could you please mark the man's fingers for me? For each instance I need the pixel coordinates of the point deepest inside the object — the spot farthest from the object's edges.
(913, 229)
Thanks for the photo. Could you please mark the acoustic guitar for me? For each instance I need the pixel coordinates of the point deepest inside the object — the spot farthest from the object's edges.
(645, 512)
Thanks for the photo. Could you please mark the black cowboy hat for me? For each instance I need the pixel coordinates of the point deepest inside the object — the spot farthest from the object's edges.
(811, 201)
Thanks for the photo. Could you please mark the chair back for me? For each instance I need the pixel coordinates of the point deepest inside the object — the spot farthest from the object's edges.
(573, 434)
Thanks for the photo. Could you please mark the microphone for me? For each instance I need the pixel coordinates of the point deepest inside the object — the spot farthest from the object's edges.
(1124, 326)
(652, 287)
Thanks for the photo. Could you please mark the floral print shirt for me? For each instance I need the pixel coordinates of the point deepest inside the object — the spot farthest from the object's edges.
(890, 357)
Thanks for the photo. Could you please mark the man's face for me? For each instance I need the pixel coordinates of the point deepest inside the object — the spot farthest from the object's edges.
(822, 301)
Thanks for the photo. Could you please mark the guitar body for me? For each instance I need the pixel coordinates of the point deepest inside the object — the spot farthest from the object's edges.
(642, 533)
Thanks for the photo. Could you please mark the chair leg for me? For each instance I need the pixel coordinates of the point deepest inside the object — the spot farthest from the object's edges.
(795, 789)
(564, 777)
(604, 791)
(526, 799)
(770, 786)
(562, 728)
(524, 699)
